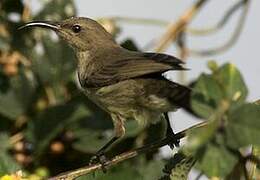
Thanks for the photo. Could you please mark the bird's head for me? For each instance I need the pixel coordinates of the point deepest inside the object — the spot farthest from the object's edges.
(81, 33)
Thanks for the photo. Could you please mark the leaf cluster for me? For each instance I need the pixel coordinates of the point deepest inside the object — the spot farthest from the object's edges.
(233, 124)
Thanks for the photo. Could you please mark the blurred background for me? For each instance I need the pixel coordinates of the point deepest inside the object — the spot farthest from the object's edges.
(48, 126)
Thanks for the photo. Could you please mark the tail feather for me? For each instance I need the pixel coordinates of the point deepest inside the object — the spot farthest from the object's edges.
(181, 96)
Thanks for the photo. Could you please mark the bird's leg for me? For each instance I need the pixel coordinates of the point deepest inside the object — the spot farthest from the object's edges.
(100, 156)
(119, 131)
(169, 132)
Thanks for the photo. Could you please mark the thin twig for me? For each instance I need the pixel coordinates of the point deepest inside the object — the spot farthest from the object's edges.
(70, 175)
(231, 41)
(174, 29)
(181, 42)
(50, 95)
(26, 14)
(220, 24)
(141, 21)
(16, 138)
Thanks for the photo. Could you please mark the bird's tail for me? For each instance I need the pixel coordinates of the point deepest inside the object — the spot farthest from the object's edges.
(181, 96)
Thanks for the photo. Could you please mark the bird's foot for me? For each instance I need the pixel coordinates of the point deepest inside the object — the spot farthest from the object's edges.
(175, 142)
(100, 158)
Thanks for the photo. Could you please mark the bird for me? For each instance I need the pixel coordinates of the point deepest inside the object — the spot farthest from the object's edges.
(126, 84)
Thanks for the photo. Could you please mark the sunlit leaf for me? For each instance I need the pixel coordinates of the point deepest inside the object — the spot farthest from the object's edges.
(233, 84)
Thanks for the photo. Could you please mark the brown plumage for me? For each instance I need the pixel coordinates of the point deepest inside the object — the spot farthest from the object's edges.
(126, 84)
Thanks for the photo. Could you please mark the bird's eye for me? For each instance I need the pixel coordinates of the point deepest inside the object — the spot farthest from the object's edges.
(76, 28)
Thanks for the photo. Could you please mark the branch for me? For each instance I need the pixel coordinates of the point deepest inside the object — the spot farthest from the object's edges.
(221, 23)
(181, 43)
(174, 29)
(232, 40)
(70, 175)
(141, 21)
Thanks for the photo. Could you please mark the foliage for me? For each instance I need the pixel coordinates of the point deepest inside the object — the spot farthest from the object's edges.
(48, 126)
(233, 123)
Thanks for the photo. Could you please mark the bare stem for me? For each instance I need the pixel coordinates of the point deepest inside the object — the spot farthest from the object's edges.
(175, 28)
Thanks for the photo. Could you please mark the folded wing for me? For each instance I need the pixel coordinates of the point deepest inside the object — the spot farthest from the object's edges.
(134, 66)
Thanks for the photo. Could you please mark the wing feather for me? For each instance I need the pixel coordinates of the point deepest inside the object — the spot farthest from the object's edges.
(134, 66)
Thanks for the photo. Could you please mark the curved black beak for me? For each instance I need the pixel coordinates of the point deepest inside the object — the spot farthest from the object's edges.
(43, 24)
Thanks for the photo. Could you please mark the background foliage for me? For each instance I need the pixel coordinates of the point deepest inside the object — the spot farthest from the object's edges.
(48, 126)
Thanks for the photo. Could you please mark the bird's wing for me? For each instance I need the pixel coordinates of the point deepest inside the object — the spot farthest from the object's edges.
(137, 65)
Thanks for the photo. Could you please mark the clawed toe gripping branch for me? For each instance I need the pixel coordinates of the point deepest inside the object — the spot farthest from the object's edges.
(70, 175)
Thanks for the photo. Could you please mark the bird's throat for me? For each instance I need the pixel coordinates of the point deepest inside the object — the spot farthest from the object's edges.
(84, 64)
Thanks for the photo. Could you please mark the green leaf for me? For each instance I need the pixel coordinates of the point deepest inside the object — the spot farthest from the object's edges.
(57, 65)
(233, 84)
(125, 171)
(56, 10)
(52, 121)
(151, 170)
(4, 43)
(198, 137)
(7, 163)
(216, 161)
(4, 141)
(206, 96)
(213, 66)
(16, 100)
(129, 171)
(244, 126)
(10, 106)
(91, 131)
(226, 83)
(89, 140)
